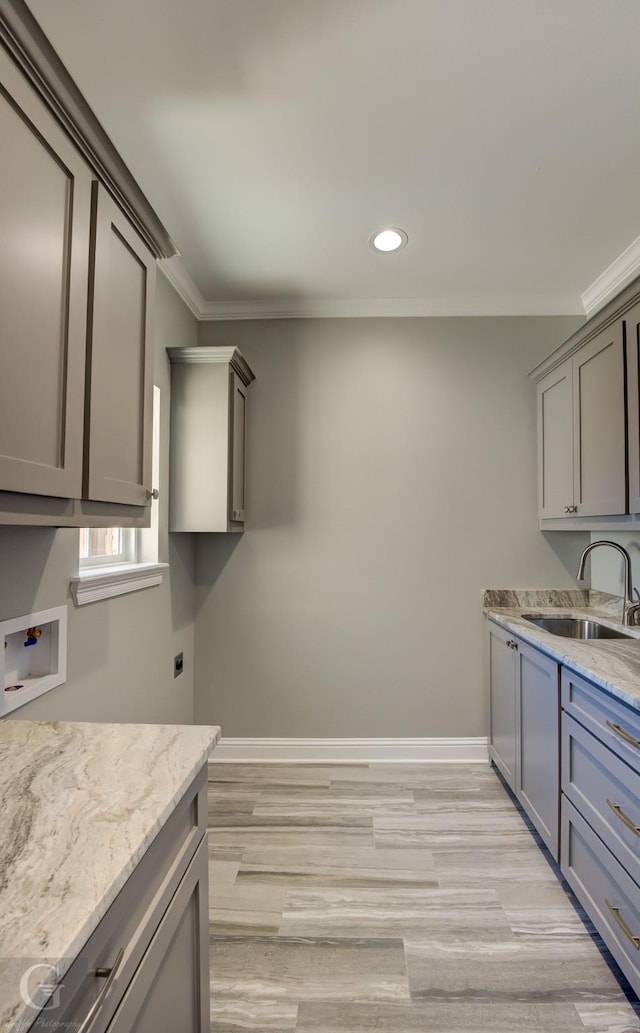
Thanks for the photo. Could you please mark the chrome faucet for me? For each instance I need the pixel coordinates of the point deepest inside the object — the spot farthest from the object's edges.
(629, 608)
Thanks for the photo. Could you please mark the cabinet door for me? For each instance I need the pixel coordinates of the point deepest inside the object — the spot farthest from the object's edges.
(599, 473)
(118, 462)
(237, 436)
(45, 204)
(538, 742)
(503, 702)
(170, 990)
(632, 335)
(555, 442)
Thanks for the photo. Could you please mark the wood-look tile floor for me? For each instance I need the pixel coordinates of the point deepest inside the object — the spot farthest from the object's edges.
(402, 898)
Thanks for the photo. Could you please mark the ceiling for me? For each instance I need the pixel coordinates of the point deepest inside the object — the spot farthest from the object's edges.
(274, 136)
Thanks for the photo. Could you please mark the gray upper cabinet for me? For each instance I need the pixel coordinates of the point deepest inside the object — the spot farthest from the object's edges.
(632, 332)
(208, 427)
(555, 442)
(45, 205)
(120, 360)
(599, 475)
(582, 430)
(77, 279)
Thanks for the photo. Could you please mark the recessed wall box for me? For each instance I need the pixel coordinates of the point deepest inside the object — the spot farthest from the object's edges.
(33, 658)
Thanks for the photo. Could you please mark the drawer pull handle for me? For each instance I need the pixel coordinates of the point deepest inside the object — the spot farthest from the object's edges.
(615, 911)
(627, 736)
(625, 819)
(109, 974)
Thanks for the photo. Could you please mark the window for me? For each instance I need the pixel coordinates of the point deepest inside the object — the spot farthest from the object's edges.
(104, 546)
(115, 560)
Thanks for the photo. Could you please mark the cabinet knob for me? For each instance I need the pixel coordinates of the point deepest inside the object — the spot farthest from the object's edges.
(567, 509)
(152, 494)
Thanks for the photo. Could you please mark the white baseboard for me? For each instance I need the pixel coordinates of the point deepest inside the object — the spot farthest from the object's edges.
(352, 751)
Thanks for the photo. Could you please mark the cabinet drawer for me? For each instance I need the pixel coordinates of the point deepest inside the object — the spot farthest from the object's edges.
(609, 896)
(131, 920)
(617, 725)
(605, 790)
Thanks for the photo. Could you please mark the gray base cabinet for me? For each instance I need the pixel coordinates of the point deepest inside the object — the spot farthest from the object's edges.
(170, 990)
(525, 732)
(502, 684)
(538, 742)
(601, 815)
(146, 965)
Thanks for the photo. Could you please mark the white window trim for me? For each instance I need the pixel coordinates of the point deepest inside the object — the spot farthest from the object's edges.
(95, 582)
(107, 582)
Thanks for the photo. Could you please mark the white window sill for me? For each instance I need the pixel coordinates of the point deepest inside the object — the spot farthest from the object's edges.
(106, 582)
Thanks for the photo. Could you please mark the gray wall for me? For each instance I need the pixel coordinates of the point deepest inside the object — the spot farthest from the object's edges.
(606, 564)
(120, 651)
(392, 476)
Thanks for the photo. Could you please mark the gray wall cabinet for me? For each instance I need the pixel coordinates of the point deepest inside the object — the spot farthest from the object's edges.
(525, 732)
(632, 335)
(77, 280)
(208, 432)
(589, 423)
(120, 359)
(44, 256)
(146, 966)
(581, 432)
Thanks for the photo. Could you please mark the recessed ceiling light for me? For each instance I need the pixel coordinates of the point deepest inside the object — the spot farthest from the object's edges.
(391, 239)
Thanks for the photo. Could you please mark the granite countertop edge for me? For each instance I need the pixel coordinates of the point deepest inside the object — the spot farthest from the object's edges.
(611, 664)
(37, 924)
(138, 853)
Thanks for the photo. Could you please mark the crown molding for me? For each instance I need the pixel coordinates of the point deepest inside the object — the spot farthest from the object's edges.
(34, 55)
(355, 308)
(174, 271)
(391, 308)
(621, 272)
(203, 355)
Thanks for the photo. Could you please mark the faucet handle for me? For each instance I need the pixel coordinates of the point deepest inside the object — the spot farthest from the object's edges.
(637, 594)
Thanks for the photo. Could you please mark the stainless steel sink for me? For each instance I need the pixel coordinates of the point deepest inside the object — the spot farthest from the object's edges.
(574, 627)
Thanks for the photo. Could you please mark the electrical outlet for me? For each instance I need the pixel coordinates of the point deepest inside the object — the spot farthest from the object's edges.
(178, 664)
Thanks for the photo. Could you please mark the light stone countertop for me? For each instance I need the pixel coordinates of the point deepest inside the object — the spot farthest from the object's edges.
(612, 664)
(81, 803)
